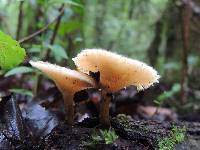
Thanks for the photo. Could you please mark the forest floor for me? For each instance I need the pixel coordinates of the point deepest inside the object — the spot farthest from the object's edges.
(39, 124)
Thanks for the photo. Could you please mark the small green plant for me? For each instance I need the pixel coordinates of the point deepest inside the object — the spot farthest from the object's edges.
(109, 136)
(167, 94)
(177, 135)
(105, 137)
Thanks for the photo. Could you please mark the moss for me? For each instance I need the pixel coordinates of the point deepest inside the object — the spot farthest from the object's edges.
(156, 134)
(128, 125)
(125, 120)
(177, 135)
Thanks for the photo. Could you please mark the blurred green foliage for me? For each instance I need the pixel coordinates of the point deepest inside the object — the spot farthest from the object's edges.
(124, 26)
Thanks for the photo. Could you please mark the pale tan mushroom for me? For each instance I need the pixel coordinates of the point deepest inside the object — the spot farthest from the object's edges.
(116, 72)
(68, 82)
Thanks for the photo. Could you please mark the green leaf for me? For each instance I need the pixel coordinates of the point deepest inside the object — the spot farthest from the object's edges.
(157, 102)
(59, 52)
(17, 70)
(35, 49)
(176, 88)
(69, 2)
(109, 136)
(11, 54)
(97, 138)
(22, 91)
(69, 26)
(167, 94)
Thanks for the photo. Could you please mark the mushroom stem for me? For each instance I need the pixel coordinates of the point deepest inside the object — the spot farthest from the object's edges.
(104, 109)
(69, 108)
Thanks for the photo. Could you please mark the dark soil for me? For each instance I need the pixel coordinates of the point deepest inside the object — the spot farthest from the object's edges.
(63, 137)
(37, 128)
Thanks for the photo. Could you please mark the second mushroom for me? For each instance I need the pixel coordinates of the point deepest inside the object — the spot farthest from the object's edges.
(68, 81)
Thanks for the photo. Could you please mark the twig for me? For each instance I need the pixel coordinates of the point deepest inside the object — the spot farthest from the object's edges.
(70, 45)
(20, 17)
(155, 113)
(130, 11)
(55, 31)
(41, 30)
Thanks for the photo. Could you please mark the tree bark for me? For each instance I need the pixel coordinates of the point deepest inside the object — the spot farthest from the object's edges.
(153, 50)
(186, 15)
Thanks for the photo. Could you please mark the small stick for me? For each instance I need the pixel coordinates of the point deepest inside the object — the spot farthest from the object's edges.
(20, 17)
(55, 31)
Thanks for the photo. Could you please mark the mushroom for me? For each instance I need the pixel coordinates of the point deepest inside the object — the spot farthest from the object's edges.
(68, 82)
(116, 72)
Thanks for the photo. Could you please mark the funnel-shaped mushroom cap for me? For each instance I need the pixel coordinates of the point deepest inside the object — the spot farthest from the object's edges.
(116, 71)
(65, 79)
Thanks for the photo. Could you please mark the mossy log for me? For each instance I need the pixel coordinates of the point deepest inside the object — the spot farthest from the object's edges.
(179, 135)
(137, 135)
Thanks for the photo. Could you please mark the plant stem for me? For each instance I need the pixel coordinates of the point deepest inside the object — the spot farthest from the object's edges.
(20, 18)
(69, 108)
(61, 10)
(35, 88)
(104, 109)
